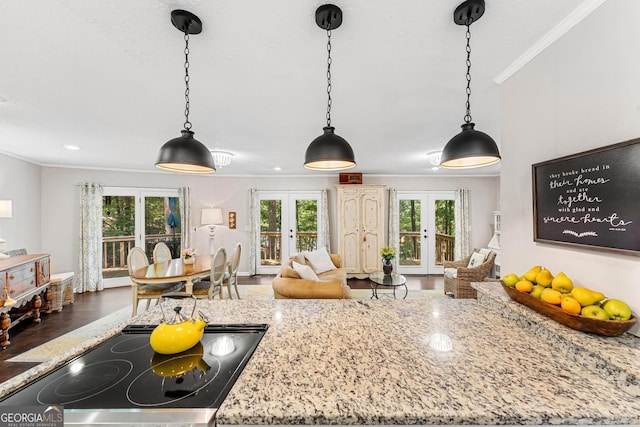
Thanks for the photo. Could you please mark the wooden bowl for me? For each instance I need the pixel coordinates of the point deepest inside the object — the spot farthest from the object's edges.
(608, 328)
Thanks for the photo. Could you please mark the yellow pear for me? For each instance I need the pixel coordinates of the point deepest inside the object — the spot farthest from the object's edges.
(537, 291)
(510, 279)
(562, 283)
(544, 278)
(524, 286)
(532, 273)
(586, 296)
(551, 296)
(570, 305)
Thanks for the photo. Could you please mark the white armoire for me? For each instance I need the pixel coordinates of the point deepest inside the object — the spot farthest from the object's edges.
(360, 228)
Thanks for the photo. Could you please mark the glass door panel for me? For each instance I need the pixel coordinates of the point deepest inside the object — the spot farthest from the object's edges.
(136, 217)
(270, 232)
(426, 231)
(445, 231)
(289, 223)
(162, 223)
(118, 234)
(409, 221)
(306, 231)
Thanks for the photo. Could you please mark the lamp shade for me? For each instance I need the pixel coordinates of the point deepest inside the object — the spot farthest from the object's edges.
(211, 216)
(329, 152)
(469, 149)
(185, 154)
(6, 209)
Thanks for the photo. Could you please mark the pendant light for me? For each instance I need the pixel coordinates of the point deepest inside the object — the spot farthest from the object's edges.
(329, 151)
(185, 153)
(470, 148)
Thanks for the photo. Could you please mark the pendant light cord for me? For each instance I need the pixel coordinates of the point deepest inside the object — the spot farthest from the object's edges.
(187, 123)
(467, 117)
(328, 78)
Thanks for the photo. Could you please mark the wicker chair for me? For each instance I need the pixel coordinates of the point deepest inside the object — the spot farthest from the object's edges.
(460, 286)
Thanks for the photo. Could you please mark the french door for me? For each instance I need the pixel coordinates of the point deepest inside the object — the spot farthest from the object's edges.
(426, 231)
(289, 223)
(136, 217)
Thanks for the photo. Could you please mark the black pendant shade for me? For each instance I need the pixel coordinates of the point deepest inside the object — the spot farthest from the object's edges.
(329, 152)
(469, 149)
(185, 154)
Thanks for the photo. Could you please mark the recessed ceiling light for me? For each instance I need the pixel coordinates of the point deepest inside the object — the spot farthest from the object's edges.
(71, 147)
(277, 168)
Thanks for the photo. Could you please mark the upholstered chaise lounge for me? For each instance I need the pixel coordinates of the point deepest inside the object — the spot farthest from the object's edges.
(331, 284)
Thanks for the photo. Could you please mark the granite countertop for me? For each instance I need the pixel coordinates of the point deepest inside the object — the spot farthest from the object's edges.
(386, 362)
(381, 362)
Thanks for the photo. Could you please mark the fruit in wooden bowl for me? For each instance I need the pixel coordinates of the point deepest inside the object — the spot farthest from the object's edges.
(578, 322)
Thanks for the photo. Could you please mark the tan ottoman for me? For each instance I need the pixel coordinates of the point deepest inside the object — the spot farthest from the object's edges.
(61, 290)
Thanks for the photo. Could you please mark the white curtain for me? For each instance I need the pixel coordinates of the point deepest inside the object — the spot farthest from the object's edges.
(254, 229)
(324, 221)
(184, 194)
(463, 228)
(89, 274)
(394, 230)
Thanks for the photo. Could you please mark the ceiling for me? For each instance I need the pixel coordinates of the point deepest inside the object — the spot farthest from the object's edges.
(108, 76)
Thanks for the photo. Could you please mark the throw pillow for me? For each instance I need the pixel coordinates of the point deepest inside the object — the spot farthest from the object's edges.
(304, 271)
(288, 272)
(299, 258)
(476, 259)
(319, 260)
(451, 273)
(485, 252)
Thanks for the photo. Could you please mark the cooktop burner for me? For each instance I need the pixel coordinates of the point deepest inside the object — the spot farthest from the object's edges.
(124, 372)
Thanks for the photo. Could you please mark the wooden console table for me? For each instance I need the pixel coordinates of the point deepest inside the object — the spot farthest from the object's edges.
(23, 279)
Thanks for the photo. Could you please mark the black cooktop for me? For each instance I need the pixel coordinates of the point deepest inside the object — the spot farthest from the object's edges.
(124, 372)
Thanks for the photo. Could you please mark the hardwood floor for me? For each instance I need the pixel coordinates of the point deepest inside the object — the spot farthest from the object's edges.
(91, 306)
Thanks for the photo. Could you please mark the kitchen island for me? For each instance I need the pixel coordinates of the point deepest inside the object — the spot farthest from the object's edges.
(429, 361)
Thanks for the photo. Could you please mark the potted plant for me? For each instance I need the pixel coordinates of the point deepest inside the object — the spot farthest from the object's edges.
(387, 253)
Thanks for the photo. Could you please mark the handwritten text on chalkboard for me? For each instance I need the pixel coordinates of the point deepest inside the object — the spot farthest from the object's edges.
(590, 198)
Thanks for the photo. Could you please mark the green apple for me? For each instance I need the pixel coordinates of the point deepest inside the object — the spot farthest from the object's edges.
(537, 290)
(510, 280)
(616, 309)
(594, 312)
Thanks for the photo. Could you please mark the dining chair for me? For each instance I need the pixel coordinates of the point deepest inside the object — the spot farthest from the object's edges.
(161, 253)
(137, 259)
(231, 279)
(206, 289)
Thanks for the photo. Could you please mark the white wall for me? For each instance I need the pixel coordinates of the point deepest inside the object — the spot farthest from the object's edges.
(61, 225)
(20, 182)
(580, 93)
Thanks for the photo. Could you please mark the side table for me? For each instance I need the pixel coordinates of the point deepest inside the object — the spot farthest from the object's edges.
(62, 290)
(393, 280)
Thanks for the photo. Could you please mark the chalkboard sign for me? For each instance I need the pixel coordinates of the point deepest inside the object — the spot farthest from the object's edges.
(591, 199)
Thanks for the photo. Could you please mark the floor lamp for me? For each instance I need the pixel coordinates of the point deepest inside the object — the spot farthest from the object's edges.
(211, 217)
(6, 211)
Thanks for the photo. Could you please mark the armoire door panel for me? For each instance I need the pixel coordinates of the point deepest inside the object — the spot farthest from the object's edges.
(360, 227)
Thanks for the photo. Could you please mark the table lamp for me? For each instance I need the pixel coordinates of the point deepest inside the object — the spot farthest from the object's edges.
(211, 217)
(6, 211)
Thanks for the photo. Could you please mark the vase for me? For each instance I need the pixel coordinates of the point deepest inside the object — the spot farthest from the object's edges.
(387, 267)
(188, 260)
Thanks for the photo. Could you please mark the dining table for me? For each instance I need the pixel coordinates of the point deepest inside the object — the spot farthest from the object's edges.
(174, 270)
